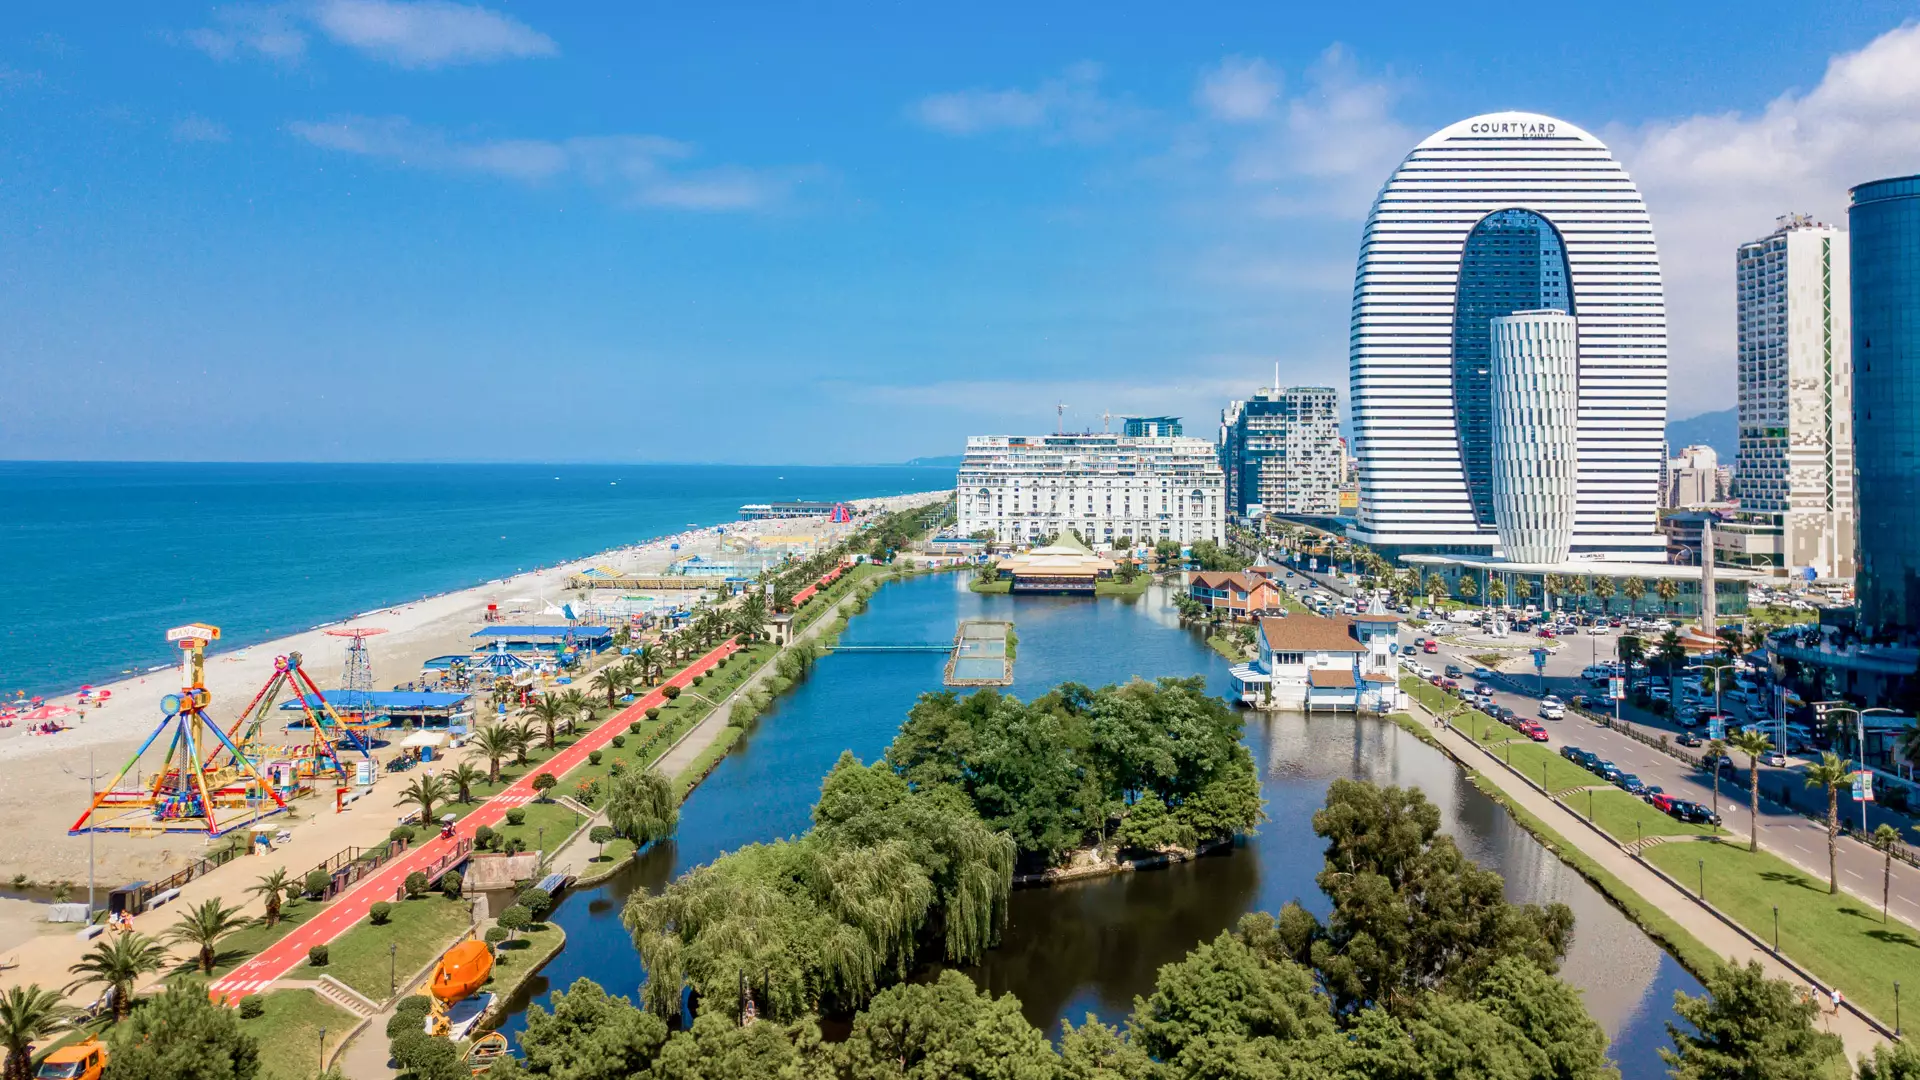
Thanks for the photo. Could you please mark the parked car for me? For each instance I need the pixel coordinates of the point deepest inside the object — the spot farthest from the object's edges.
(1651, 792)
(1546, 632)
(1574, 754)
(1597, 629)
(1693, 813)
(1534, 730)
(1629, 783)
(1607, 770)
(1688, 738)
(1662, 801)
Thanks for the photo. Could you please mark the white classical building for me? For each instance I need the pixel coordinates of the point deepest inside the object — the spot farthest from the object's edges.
(1794, 473)
(1497, 214)
(1535, 425)
(1104, 486)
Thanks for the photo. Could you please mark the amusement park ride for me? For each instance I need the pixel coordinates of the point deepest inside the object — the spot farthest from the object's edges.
(216, 781)
(191, 793)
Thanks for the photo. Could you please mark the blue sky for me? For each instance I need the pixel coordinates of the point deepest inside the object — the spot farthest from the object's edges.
(378, 230)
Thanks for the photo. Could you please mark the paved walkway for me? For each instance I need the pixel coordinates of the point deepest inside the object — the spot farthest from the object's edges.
(282, 956)
(1711, 932)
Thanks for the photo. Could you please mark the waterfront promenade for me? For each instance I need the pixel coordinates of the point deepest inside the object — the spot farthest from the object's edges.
(279, 959)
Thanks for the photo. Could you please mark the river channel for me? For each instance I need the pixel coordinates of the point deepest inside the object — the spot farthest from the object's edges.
(1089, 947)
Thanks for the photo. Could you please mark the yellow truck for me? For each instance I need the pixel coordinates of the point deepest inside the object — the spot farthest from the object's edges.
(82, 1061)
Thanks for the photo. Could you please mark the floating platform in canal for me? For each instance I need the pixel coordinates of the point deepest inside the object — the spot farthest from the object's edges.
(982, 654)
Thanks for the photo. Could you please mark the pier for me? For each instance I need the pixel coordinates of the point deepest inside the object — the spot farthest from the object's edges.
(981, 654)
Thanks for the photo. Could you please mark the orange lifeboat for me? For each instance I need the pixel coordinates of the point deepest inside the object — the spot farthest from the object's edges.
(462, 971)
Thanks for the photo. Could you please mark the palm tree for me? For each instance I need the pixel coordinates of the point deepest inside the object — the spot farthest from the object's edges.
(611, 681)
(426, 792)
(549, 711)
(1751, 742)
(1667, 590)
(1522, 589)
(464, 777)
(524, 738)
(496, 742)
(1671, 654)
(1830, 772)
(1551, 585)
(1603, 590)
(203, 926)
(1467, 587)
(272, 887)
(1634, 589)
(119, 960)
(1884, 838)
(27, 1015)
(1436, 587)
(1497, 592)
(1577, 588)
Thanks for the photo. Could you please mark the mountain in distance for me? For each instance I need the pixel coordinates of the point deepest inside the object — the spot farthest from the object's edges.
(1720, 430)
(937, 460)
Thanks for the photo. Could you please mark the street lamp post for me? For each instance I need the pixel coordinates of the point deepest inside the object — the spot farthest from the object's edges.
(1717, 679)
(1860, 739)
(393, 968)
(323, 1050)
(1776, 928)
(1703, 879)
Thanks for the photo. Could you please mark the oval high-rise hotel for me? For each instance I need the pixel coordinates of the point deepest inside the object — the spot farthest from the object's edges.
(1492, 216)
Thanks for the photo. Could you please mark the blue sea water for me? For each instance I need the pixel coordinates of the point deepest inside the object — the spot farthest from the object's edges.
(98, 560)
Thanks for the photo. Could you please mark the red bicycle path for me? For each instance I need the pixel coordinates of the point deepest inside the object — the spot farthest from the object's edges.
(277, 960)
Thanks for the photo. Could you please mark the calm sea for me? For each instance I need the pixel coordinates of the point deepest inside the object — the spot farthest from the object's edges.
(97, 560)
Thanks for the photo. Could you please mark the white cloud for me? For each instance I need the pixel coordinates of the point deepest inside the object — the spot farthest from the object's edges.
(1715, 181)
(1070, 107)
(405, 33)
(1238, 89)
(639, 170)
(429, 33)
(193, 128)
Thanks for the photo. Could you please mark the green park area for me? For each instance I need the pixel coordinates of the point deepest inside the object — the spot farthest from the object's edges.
(289, 1032)
(370, 957)
(1841, 940)
(1628, 818)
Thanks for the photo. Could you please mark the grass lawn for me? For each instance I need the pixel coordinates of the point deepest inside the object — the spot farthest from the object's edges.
(546, 824)
(1485, 729)
(1617, 813)
(1116, 587)
(1227, 647)
(516, 961)
(1836, 937)
(289, 1032)
(1547, 768)
(995, 587)
(423, 929)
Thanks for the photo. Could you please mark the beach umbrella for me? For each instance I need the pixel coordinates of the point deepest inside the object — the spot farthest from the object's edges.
(48, 712)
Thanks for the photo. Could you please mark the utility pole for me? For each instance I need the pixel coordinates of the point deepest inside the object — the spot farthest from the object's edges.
(1060, 418)
(90, 795)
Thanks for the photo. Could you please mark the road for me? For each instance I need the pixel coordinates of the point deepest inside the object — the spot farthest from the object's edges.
(280, 958)
(1782, 831)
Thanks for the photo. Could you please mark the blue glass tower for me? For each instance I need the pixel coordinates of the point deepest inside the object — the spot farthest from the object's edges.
(1885, 224)
(1514, 260)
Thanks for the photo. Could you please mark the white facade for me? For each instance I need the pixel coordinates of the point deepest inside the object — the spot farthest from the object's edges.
(1794, 476)
(1694, 478)
(1027, 488)
(1536, 421)
(1413, 483)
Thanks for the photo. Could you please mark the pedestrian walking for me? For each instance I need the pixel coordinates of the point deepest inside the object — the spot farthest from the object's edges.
(1837, 1000)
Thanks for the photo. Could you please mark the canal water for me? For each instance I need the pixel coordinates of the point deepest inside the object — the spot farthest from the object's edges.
(1090, 947)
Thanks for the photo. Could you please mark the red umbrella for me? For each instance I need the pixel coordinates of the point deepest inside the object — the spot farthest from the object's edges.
(48, 712)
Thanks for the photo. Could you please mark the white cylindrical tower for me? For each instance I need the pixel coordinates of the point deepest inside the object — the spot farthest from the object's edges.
(1535, 383)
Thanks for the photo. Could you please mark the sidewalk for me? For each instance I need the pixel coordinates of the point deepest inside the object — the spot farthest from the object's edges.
(1723, 940)
(275, 961)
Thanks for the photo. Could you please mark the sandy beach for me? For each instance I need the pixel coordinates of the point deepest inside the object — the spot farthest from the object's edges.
(44, 779)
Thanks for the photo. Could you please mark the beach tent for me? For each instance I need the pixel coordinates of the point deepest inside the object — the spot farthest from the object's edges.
(424, 740)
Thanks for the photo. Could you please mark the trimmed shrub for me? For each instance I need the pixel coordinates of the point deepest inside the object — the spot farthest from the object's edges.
(545, 783)
(698, 679)
(600, 834)
(403, 832)
(593, 756)
(380, 912)
(517, 816)
(537, 901)
(451, 883)
(617, 742)
(496, 934)
(484, 836)
(616, 767)
(416, 883)
(515, 845)
(633, 728)
(252, 1007)
(317, 956)
(671, 692)
(317, 882)
(652, 714)
(516, 918)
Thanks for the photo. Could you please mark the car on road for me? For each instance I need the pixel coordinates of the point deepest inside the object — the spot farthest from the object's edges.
(1534, 730)
(1454, 672)
(1650, 792)
(1482, 673)
(1774, 758)
(1688, 738)
(1546, 632)
(1606, 770)
(1597, 629)
(1430, 646)
(1552, 708)
(1630, 783)
(1576, 755)
(1662, 801)
(1693, 813)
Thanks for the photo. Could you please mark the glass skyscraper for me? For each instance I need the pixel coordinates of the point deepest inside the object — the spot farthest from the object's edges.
(1884, 222)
